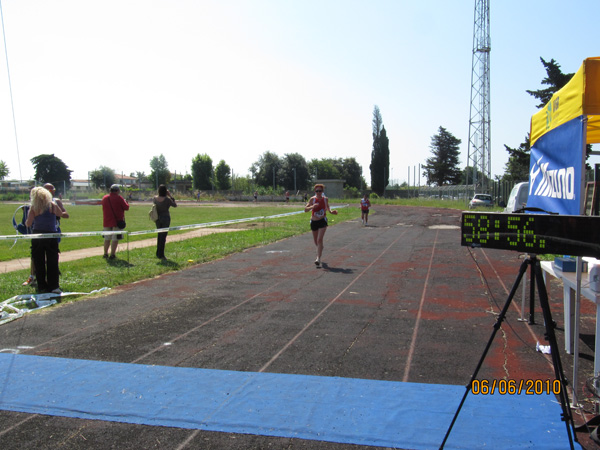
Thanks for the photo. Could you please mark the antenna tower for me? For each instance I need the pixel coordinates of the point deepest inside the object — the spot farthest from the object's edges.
(479, 152)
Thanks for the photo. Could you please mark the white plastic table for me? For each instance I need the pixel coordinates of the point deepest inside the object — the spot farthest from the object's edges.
(569, 280)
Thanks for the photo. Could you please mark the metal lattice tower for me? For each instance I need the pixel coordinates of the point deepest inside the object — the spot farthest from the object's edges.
(479, 151)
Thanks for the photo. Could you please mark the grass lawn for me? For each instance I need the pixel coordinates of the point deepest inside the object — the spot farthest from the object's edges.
(95, 272)
(89, 218)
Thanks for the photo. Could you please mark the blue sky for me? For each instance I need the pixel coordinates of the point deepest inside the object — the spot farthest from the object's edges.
(116, 82)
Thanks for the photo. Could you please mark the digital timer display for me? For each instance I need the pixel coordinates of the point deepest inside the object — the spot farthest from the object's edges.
(532, 233)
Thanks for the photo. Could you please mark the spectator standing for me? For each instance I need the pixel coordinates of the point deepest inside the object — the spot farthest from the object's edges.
(50, 188)
(42, 218)
(163, 201)
(58, 201)
(113, 210)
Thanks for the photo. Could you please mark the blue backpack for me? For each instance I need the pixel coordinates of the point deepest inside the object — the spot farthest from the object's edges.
(21, 227)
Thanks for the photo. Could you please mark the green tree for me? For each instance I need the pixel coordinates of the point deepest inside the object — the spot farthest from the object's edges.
(50, 169)
(324, 169)
(555, 80)
(347, 169)
(103, 177)
(223, 176)
(141, 177)
(265, 169)
(160, 171)
(352, 173)
(442, 168)
(517, 166)
(3, 170)
(202, 172)
(244, 183)
(380, 156)
(293, 172)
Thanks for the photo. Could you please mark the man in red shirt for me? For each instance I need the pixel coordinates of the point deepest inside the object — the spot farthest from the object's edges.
(113, 210)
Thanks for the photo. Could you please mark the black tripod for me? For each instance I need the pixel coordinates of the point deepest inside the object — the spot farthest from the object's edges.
(536, 271)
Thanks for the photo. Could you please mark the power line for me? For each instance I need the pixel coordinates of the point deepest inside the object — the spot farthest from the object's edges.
(10, 91)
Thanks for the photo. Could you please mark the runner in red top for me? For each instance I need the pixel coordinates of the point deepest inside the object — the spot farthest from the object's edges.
(365, 204)
(318, 205)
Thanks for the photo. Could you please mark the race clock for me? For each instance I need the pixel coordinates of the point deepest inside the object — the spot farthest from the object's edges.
(532, 233)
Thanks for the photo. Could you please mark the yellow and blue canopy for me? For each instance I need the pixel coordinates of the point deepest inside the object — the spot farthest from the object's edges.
(579, 97)
(559, 133)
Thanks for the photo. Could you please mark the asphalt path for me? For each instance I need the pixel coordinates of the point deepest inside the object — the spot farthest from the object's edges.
(399, 300)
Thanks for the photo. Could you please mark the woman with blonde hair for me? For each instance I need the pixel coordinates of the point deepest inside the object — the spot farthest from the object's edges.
(44, 252)
(318, 205)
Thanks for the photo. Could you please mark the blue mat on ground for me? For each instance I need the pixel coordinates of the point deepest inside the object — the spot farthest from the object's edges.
(343, 410)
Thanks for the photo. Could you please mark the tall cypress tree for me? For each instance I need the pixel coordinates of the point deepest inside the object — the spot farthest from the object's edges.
(380, 156)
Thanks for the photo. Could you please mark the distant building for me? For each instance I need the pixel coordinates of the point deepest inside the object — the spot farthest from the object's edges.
(15, 184)
(125, 180)
(80, 185)
(333, 188)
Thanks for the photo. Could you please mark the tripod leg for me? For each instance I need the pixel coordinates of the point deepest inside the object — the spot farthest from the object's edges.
(551, 336)
(497, 325)
(532, 297)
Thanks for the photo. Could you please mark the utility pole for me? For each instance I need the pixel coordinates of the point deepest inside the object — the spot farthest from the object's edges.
(479, 151)
(294, 169)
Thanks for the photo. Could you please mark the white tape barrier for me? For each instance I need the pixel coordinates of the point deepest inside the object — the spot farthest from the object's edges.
(152, 231)
(19, 305)
(11, 309)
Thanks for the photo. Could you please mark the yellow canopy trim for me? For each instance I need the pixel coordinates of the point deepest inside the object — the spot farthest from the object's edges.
(580, 96)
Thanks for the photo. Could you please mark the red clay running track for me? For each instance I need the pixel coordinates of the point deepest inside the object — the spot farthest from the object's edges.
(399, 300)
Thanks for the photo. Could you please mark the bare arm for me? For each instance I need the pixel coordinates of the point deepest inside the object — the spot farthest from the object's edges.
(309, 206)
(58, 212)
(65, 214)
(125, 204)
(332, 211)
(30, 218)
(173, 203)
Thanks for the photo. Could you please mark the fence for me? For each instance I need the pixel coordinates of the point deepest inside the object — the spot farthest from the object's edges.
(499, 190)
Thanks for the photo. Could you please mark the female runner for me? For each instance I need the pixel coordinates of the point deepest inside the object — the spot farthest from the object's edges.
(318, 205)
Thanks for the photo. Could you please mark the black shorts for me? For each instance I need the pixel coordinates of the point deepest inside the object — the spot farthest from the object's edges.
(365, 211)
(316, 224)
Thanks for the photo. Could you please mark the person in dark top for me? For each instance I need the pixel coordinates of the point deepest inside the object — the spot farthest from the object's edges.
(163, 201)
(44, 252)
(31, 281)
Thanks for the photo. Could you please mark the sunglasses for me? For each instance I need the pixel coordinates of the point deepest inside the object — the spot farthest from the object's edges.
(318, 190)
